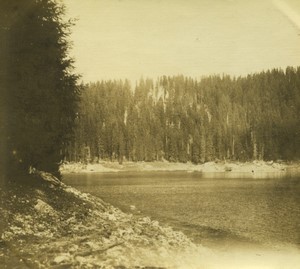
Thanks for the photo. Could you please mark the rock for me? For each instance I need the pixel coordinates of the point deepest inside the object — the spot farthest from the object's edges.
(133, 207)
(145, 220)
(44, 208)
(92, 245)
(111, 217)
(155, 223)
(80, 259)
(71, 220)
(62, 258)
(40, 227)
(73, 248)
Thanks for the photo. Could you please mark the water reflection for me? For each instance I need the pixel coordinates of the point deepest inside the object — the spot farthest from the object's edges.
(212, 208)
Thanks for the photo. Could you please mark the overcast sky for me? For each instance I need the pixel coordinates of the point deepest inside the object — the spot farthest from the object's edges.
(116, 39)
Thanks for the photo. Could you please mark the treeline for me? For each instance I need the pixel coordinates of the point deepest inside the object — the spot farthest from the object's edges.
(182, 119)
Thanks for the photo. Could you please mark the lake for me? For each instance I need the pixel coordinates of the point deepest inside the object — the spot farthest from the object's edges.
(214, 211)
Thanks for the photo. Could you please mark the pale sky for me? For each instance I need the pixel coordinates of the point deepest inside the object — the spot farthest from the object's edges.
(117, 39)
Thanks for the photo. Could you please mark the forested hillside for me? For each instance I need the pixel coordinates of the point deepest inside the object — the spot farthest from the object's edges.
(182, 119)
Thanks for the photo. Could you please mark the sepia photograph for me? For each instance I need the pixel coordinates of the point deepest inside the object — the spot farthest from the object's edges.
(150, 134)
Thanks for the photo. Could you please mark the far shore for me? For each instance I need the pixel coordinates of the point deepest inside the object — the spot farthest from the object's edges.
(255, 168)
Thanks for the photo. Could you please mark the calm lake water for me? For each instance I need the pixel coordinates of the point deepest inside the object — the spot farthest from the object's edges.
(220, 211)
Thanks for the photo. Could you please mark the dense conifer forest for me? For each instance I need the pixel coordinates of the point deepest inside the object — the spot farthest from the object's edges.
(181, 119)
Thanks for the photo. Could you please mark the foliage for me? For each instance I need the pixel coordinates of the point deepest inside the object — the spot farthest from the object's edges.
(182, 119)
(38, 87)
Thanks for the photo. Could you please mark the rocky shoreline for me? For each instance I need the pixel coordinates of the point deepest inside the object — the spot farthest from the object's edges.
(47, 224)
(255, 168)
(51, 225)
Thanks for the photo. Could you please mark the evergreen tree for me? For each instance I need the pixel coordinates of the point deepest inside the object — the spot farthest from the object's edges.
(181, 119)
(38, 86)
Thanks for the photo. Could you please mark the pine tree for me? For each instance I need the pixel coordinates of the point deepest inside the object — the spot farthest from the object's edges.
(40, 88)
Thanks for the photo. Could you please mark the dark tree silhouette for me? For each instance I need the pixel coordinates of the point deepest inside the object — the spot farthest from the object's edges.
(38, 86)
